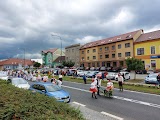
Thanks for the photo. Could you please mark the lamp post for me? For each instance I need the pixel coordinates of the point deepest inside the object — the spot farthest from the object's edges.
(61, 44)
(24, 50)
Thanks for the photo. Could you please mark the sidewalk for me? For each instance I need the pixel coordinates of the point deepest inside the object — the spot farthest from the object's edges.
(90, 114)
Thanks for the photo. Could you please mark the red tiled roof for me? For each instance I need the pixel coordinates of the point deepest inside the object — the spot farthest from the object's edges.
(50, 50)
(110, 40)
(16, 61)
(149, 36)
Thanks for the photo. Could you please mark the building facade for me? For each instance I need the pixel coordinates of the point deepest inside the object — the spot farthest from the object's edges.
(147, 48)
(49, 56)
(109, 52)
(15, 63)
(72, 54)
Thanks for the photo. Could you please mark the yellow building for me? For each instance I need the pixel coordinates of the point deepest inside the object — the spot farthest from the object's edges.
(147, 48)
(109, 52)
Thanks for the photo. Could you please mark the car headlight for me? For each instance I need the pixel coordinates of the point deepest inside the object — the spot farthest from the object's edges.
(58, 98)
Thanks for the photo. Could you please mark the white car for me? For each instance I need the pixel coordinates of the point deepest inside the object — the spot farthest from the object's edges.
(127, 75)
(20, 83)
(114, 75)
(3, 77)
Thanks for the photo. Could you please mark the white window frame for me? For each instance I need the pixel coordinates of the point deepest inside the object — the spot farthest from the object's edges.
(151, 50)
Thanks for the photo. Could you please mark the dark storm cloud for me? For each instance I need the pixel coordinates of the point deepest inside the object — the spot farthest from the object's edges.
(29, 24)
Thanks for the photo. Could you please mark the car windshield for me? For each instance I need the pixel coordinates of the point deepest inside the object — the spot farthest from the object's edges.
(52, 88)
(19, 81)
(153, 75)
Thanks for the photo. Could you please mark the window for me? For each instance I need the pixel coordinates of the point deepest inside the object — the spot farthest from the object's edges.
(93, 64)
(94, 50)
(87, 58)
(107, 56)
(153, 64)
(127, 45)
(82, 52)
(153, 50)
(103, 63)
(113, 47)
(106, 48)
(82, 58)
(94, 57)
(100, 49)
(127, 54)
(87, 51)
(113, 55)
(114, 64)
(119, 54)
(119, 46)
(140, 51)
(98, 64)
(100, 56)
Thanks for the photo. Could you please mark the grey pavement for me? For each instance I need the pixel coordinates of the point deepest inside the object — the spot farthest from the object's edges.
(90, 114)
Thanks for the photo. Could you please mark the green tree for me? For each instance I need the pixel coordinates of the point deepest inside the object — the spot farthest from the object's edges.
(134, 64)
(36, 64)
(68, 63)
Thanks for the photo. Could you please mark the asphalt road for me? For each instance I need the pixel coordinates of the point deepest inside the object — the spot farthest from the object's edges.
(127, 105)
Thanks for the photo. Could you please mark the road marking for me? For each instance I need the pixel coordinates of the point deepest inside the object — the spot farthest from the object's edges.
(121, 98)
(110, 115)
(79, 104)
(118, 89)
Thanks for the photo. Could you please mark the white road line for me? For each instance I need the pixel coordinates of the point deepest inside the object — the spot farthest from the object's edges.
(79, 104)
(124, 90)
(110, 115)
(121, 98)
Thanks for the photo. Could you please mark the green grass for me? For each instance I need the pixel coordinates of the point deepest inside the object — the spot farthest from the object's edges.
(129, 85)
(20, 104)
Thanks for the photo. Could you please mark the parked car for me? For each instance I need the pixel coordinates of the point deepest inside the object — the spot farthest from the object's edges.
(3, 76)
(111, 75)
(150, 71)
(151, 78)
(91, 74)
(51, 90)
(19, 82)
(100, 74)
(141, 72)
(82, 73)
(71, 71)
(114, 75)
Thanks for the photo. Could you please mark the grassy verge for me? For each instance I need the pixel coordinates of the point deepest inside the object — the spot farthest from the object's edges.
(20, 104)
(129, 85)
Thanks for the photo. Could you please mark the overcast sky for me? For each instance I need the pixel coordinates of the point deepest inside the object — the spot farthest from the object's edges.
(28, 24)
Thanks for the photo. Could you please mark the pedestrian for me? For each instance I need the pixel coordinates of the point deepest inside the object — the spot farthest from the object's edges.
(98, 84)
(39, 77)
(60, 77)
(103, 76)
(84, 79)
(158, 80)
(93, 88)
(120, 82)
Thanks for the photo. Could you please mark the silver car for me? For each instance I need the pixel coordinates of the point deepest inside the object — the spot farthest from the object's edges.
(151, 78)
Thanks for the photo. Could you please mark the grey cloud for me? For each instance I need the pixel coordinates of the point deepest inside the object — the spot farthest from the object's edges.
(31, 23)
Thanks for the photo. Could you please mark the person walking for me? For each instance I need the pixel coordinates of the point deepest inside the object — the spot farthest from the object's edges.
(120, 82)
(98, 84)
(158, 80)
(84, 79)
(93, 88)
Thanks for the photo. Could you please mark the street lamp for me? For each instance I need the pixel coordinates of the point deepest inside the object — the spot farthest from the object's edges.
(24, 55)
(61, 43)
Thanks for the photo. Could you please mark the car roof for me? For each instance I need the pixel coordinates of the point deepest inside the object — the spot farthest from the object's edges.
(43, 83)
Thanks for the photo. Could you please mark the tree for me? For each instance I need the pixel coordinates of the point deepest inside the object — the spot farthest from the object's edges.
(134, 64)
(68, 63)
(36, 64)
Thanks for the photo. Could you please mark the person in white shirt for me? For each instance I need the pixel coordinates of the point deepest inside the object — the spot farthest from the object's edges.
(120, 82)
(60, 77)
(93, 88)
(59, 83)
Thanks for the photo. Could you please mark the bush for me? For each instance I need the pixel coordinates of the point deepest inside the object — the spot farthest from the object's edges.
(20, 104)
